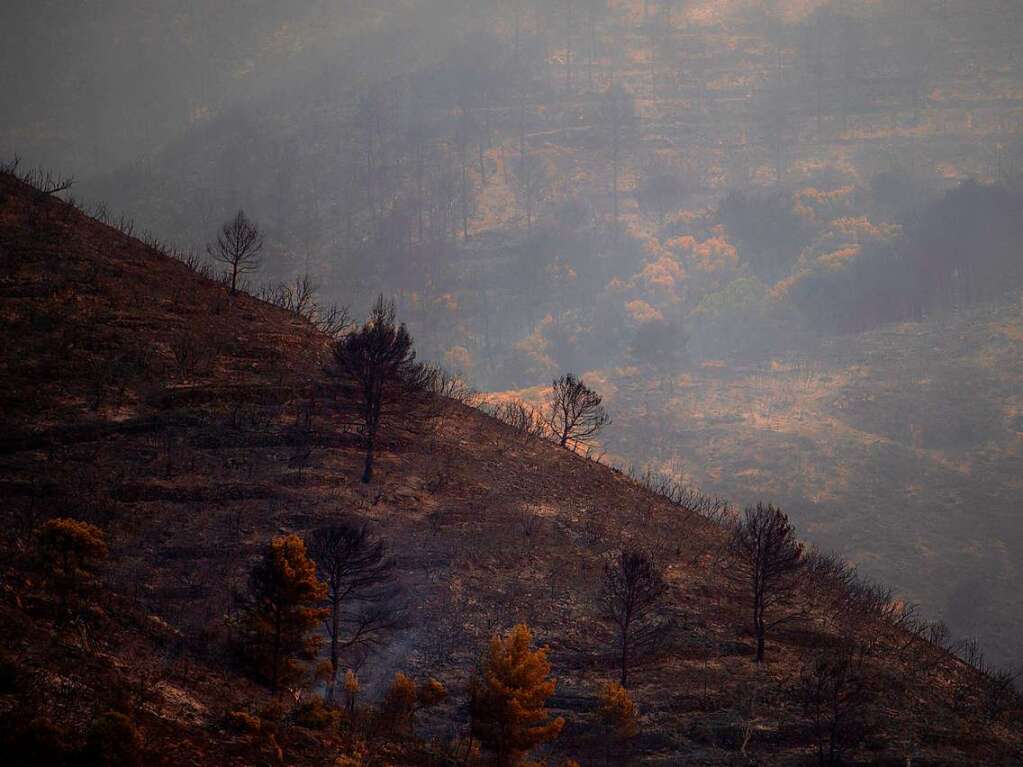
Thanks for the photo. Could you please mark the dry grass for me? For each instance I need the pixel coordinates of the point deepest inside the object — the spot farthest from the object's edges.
(191, 476)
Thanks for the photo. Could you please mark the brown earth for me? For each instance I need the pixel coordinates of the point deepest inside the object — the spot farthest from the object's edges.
(191, 468)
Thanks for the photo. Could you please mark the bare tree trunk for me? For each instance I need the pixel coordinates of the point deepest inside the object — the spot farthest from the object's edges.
(758, 626)
(335, 620)
(463, 150)
(275, 673)
(483, 165)
(367, 472)
(625, 661)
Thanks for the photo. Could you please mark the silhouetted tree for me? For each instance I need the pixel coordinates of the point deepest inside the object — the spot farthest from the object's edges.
(380, 359)
(574, 411)
(508, 698)
(238, 245)
(534, 185)
(767, 561)
(283, 611)
(632, 591)
(832, 690)
(358, 574)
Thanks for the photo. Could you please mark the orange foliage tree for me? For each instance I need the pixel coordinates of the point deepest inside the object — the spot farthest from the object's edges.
(404, 698)
(70, 550)
(509, 695)
(620, 717)
(283, 612)
(352, 688)
(400, 701)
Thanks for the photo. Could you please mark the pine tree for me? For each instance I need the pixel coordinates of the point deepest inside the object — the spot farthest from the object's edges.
(509, 695)
(70, 551)
(631, 597)
(352, 689)
(400, 701)
(360, 603)
(620, 718)
(283, 612)
(575, 414)
(238, 245)
(768, 560)
(380, 359)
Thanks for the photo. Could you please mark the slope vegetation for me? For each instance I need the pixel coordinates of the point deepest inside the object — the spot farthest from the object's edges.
(191, 427)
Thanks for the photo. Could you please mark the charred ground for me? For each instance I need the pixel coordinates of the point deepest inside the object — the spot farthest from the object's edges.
(191, 427)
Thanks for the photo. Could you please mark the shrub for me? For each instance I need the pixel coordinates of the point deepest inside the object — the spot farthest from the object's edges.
(243, 722)
(71, 551)
(314, 714)
(113, 741)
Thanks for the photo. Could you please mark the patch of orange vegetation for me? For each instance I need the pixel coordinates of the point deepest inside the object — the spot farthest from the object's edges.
(1012, 332)
(640, 311)
(839, 258)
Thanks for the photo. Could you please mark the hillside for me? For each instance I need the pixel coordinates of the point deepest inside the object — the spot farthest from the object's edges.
(191, 427)
(482, 172)
(899, 448)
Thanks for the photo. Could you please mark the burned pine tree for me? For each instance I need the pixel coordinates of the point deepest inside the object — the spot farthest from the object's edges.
(380, 359)
(361, 593)
(281, 612)
(767, 562)
(832, 690)
(238, 245)
(575, 413)
(632, 592)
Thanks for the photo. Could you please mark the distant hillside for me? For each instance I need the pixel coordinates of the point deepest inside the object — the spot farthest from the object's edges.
(900, 448)
(191, 427)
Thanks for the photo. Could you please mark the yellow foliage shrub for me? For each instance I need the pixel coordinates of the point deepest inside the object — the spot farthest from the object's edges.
(618, 710)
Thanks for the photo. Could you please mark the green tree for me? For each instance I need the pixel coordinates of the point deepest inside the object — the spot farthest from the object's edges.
(113, 741)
